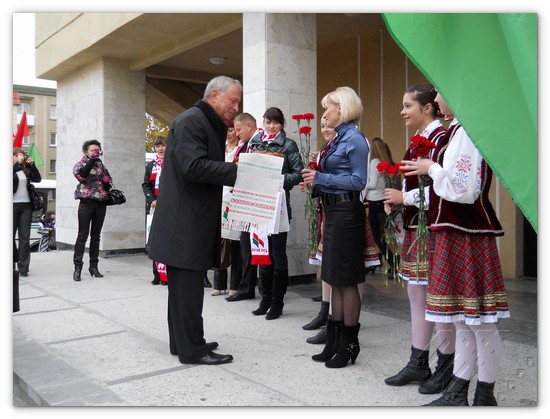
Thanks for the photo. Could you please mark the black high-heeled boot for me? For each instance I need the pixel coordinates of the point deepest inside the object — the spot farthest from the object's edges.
(348, 349)
(266, 280)
(265, 303)
(278, 291)
(334, 335)
(94, 272)
(77, 272)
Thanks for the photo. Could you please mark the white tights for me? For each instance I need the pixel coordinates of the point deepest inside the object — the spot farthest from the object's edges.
(422, 329)
(479, 344)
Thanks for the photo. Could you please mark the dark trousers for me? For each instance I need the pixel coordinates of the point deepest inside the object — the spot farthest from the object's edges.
(250, 272)
(91, 215)
(279, 263)
(220, 275)
(22, 218)
(377, 220)
(185, 324)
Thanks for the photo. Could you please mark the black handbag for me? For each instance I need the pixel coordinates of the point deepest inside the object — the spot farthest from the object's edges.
(116, 196)
(37, 202)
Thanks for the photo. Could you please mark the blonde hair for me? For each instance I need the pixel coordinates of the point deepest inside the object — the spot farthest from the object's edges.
(351, 108)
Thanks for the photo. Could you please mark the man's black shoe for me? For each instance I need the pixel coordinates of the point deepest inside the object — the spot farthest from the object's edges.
(238, 297)
(209, 345)
(212, 358)
(207, 283)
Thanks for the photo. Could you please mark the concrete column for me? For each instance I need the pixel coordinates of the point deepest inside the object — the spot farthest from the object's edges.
(106, 102)
(279, 69)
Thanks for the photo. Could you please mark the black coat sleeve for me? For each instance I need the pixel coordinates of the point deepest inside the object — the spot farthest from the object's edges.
(148, 190)
(33, 173)
(87, 168)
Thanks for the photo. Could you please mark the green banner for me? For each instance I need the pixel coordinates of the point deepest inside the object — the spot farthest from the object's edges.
(485, 66)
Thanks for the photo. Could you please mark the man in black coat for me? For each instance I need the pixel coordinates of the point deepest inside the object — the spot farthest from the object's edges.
(186, 230)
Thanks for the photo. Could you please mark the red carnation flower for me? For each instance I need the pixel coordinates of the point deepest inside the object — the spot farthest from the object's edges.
(421, 146)
(383, 167)
(314, 165)
(305, 130)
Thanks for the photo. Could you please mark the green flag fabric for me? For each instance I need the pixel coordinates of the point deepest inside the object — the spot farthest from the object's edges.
(485, 66)
(35, 155)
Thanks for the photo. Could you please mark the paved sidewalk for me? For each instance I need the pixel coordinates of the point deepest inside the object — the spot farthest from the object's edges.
(104, 342)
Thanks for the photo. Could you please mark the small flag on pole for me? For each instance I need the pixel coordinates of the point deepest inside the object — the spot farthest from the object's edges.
(22, 131)
(35, 155)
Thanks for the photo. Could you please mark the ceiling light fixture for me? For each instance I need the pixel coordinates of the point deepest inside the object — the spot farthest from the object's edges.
(216, 60)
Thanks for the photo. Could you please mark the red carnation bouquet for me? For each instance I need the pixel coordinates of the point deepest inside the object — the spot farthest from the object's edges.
(392, 177)
(311, 206)
(421, 147)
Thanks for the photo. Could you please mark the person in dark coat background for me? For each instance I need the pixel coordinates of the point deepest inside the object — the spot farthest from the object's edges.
(186, 230)
(150, 186)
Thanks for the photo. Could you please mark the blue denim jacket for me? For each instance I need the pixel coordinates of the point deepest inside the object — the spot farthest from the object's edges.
(345, 166)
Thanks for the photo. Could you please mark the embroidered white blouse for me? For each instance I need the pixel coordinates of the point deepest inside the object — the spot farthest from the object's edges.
(459, 179)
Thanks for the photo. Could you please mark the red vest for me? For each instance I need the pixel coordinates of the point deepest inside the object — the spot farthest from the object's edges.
(476, 218)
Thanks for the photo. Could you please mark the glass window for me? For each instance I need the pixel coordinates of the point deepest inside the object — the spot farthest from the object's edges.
(53, 139)
(53, 111)
(23, 107)
(52, 166)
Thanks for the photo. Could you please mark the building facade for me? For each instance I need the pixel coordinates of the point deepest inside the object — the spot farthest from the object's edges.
(40, 104)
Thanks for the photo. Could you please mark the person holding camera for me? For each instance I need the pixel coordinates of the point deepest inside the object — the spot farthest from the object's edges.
(24, 172)
(94, 182)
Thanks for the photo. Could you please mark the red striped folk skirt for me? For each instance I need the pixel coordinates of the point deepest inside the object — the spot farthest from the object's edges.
(371, 252)
(410, 269)
(466, 282)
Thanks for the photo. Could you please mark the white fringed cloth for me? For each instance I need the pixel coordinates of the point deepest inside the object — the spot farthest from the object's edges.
(255, 201)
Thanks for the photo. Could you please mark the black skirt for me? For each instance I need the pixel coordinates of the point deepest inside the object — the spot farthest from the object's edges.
(343, 244)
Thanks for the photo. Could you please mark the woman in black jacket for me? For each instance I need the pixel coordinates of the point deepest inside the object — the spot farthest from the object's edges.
(274, 277)
(24, 172)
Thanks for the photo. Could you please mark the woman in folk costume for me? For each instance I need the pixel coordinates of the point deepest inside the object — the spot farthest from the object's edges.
(339, 182)
(420, 114)
(374, 199)
(371, 253)
(150, 186)
(466, 285)
(274, 277)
